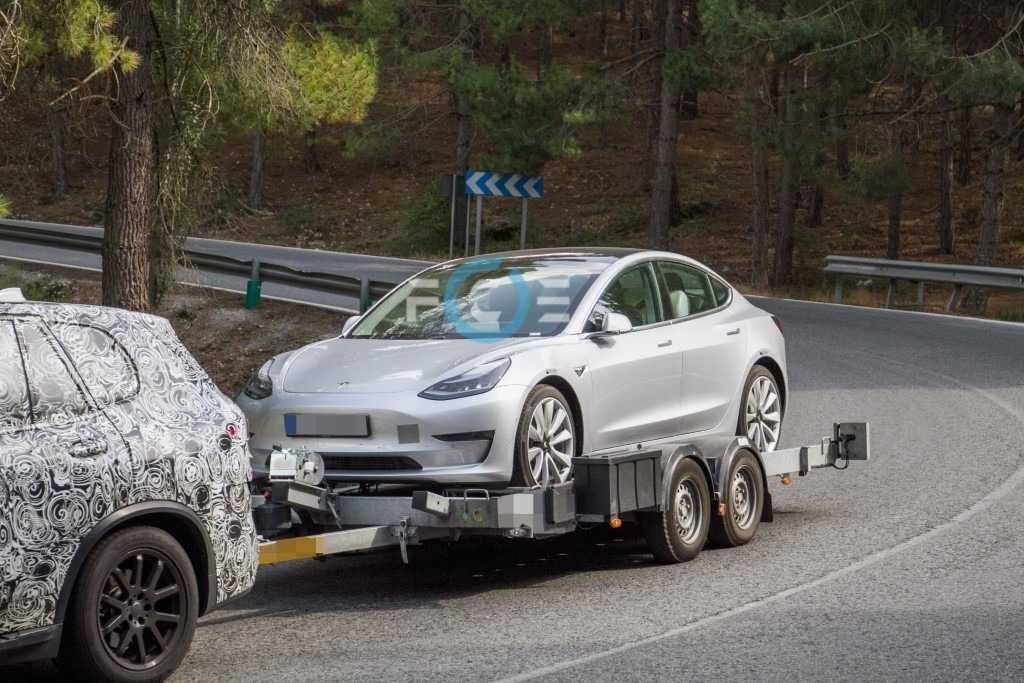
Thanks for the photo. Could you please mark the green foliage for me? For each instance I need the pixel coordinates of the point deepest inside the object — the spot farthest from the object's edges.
(992, 78)
(883, 177)
(37, 287)
(505, 17)
(5, 207)
(426, 223)
(338, 78)
(528, 122)
(688, 69)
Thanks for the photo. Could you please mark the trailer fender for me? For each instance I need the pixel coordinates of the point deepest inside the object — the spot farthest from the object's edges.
(670, 459)
(735, 446)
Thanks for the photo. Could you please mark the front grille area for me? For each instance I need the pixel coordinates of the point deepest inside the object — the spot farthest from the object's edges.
(360, 463)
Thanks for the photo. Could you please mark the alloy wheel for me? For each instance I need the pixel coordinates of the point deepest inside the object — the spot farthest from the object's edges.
(551, 443)
(140, 613)
(763, 414)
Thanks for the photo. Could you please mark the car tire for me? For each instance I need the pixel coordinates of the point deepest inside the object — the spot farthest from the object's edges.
(760, 377)
(525, 470)
(679, 531)
(744, 501)
(137, 583)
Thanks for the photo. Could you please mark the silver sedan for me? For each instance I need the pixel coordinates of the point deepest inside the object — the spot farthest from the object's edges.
(499, 369)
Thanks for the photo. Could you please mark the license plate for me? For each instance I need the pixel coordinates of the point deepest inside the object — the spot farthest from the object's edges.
(326, 425)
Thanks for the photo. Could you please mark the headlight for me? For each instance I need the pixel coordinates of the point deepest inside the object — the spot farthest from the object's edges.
(480, 379)
(260, 386)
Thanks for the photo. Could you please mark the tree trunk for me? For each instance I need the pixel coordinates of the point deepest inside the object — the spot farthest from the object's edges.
(993, 199)
(463, 127)
(58, 156)
(894, 207)
(690, 108)
(256, 170)
(665, 150)
(815, 215)
(759, 172)
(602, 34)
(635, 33)
(947, 234)
(843, 147)
(790, 176)
(309, 146)
(131, 177)
(963, 158)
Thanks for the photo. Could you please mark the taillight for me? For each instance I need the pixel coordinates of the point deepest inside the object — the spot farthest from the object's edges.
(778, 323)
(232, 430)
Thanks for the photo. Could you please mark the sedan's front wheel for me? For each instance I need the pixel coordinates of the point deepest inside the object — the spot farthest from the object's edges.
(545, 440)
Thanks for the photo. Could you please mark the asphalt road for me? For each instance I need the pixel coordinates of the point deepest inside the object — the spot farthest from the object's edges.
(909, 566)
(376, 268)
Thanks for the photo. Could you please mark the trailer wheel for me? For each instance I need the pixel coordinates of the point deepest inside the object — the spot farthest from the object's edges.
(678, 533)
(744, 502)
(134, 609)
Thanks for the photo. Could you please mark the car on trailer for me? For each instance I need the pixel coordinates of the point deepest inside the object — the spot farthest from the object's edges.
(499, 370)
(124, 492)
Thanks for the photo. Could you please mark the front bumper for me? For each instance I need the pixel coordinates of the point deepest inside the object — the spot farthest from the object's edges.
(412, 439)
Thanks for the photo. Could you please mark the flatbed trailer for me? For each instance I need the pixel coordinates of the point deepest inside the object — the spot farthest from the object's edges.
(680, 494)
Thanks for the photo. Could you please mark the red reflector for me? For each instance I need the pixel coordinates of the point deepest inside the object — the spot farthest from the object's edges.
(232, 430)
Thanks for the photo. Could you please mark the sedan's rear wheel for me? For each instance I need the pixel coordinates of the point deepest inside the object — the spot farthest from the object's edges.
(545, 440)
(761, 411)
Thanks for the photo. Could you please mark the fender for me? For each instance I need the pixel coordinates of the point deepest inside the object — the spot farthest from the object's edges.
(123, 518)
(671, 456)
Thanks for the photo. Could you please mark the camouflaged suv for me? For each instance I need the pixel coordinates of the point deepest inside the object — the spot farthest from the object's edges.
(124, 506)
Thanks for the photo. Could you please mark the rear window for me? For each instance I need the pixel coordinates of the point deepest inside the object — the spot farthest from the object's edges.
(102, 363)
(53, 391)
(14, 406)
(721, 290)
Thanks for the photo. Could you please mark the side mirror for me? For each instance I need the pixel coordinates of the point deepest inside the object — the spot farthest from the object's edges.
(616, 323)
(349, 324)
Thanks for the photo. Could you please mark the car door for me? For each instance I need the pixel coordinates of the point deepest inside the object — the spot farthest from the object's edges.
(712, 341)
(70, 431)
(636, 376)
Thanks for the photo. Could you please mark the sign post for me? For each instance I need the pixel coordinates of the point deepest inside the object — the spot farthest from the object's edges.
(487, 184)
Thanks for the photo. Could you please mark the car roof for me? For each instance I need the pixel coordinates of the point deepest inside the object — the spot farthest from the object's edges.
(606, 255)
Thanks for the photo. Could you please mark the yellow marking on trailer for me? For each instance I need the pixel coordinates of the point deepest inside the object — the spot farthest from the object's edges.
(287, 549)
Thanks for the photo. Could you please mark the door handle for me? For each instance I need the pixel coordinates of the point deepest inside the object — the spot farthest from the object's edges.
(87, 448)
(732, 332)
(667, 342)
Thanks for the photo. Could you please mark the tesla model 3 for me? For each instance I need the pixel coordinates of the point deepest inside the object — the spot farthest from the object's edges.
(499, 369)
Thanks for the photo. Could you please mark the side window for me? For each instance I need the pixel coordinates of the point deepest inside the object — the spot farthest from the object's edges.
(634, 295)
(721, 290)
(689, 289)
(14, 407)
(53, 391)
(103, 364)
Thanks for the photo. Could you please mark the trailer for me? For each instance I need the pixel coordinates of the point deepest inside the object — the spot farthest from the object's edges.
(681, 495)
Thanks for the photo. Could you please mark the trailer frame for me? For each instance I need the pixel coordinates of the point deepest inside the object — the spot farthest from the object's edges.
(610, 488)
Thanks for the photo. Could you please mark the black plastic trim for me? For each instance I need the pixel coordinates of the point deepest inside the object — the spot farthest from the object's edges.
(30, 646)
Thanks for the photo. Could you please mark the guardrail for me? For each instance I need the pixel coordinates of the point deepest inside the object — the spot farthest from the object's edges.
(956, 275)
(76, 237)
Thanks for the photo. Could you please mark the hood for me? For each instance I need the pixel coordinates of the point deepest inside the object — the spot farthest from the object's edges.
(380, 365)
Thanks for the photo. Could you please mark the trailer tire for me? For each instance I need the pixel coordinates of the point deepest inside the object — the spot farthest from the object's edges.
(163, 597)
(744, 499)
(679, 531)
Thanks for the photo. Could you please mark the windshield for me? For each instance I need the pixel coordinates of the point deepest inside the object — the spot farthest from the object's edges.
(514, 296)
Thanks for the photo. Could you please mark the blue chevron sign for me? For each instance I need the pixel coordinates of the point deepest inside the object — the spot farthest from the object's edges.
(487, 184)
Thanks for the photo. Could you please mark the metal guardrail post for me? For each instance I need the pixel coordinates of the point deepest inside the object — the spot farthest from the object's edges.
(837, 297)
(254, 286)
(920, 295)
(364, 295)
